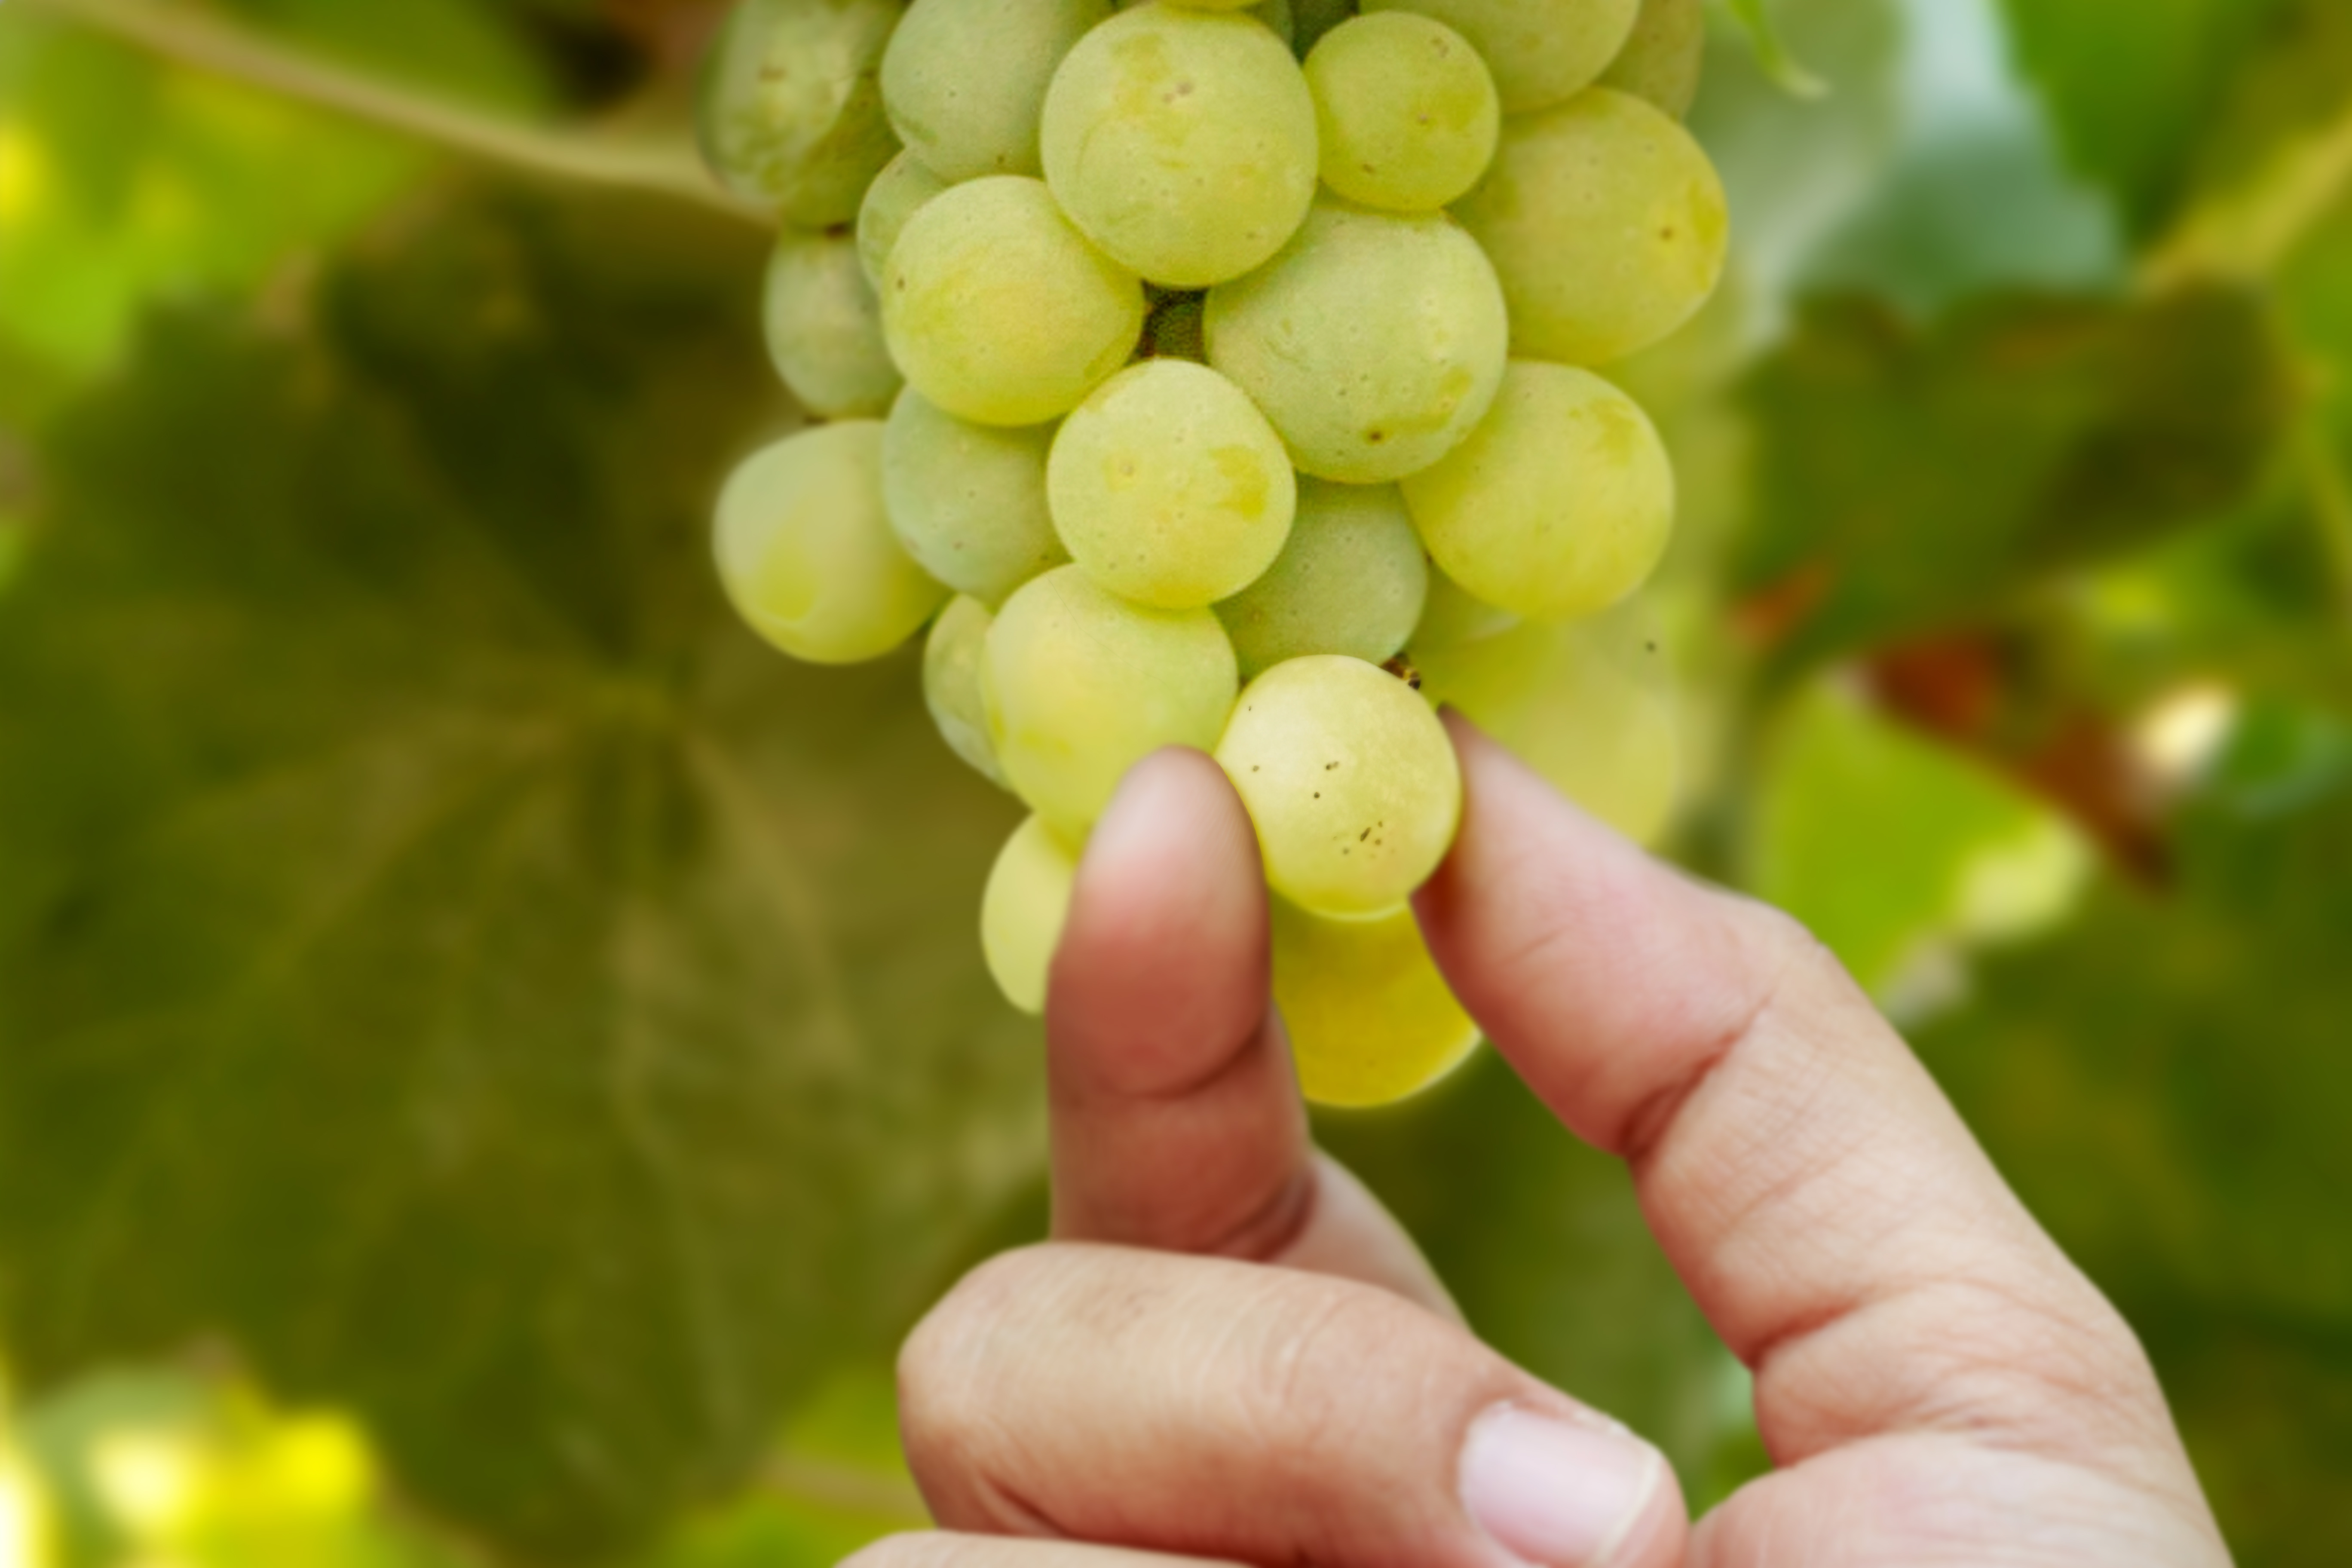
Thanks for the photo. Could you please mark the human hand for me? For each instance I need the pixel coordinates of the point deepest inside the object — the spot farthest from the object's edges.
(1231, 1352)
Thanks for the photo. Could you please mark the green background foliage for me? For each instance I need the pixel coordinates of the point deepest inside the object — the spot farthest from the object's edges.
(491, 1061)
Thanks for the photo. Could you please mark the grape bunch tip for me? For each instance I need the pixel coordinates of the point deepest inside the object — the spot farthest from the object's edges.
(1231, 375)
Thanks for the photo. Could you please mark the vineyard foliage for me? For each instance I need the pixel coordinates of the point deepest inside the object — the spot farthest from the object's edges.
(491, 1061)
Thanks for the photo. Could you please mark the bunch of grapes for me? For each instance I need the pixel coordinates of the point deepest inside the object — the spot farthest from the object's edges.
(1223, 375)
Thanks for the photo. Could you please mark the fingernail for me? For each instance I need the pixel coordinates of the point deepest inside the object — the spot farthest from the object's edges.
(1139, 810)
(1553, 1493)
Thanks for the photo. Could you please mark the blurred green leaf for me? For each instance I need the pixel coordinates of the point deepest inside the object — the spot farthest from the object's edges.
(1896, 850)
(439, 951)
(2136, 86)
(1909, 480)
(2165, 1085)
(125, 182)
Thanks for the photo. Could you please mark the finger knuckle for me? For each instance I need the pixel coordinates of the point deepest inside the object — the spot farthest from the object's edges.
(946, 1364)
(1304, 1392)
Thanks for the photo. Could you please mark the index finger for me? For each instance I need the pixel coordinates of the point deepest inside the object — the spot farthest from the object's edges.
(1177, 1117)
(1821, 1199)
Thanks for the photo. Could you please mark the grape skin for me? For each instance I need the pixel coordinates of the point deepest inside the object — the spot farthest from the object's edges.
(1081, 685)
(1374, 343)
(807, 556)
(1351, 581)
(1369, 1017)
(969, 500)
(898, 194)
(1182, 142)
(1023, 911)
(824, 328)
(1169, 487)
(1405, 112)
(1350, 780)
(1663, 61)
(998, 311)
(1453, 617)
(1559, 504)
(1542, 52)
(789, 114)
(1590, 705)
(951, 684)
(1607, 225)
(965, 81)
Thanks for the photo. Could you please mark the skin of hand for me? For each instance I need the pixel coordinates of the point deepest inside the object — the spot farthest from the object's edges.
(1229, 1352)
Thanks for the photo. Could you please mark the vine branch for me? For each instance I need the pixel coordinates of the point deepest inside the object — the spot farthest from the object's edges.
(2249, 231)
(206, 43)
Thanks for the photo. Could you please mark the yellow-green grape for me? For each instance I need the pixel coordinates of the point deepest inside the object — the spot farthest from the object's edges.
(1406, 110)
(1663, 60)
(1373, 342)
(1607, 225)
(1081, 685)
(1022, 912)
(1350, 581)
(808, 556)
(1182, 142)
(1452, 617)
(1369, 1017)
(1541, 52)
(965, 81)
(1349, 779)
(824, 328)
(1558, 505)
(952, 683)
(1000, 312)
(898, 192)
(969, 500)
(1589, 705)
(1169, 487)
(791, 109)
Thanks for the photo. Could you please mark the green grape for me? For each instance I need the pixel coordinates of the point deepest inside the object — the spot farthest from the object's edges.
(1406, 111)
(1350, 581)
(1000, 312)
(1175, 328)
(952, 683)
(1274, 14)
(1169, 487)
(791, 108)
(1350, 780)
(1589, 705)
(969, 500)
(1022, 912)
(824, 328)
(807, 556)
(1081, 686)
(1607, 225)
(1453, 617)
(1560, 502)
(1310, 19)
(1374, 341)
(1369, 1017)
(965, 81)
(1182, 142)
(1664, 60)
(1541, 52)
(898, 191)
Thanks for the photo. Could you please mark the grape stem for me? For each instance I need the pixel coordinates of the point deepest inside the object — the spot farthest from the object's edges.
(206, 43)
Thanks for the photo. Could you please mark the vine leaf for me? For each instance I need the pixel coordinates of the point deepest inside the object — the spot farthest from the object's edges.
(441, 956)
